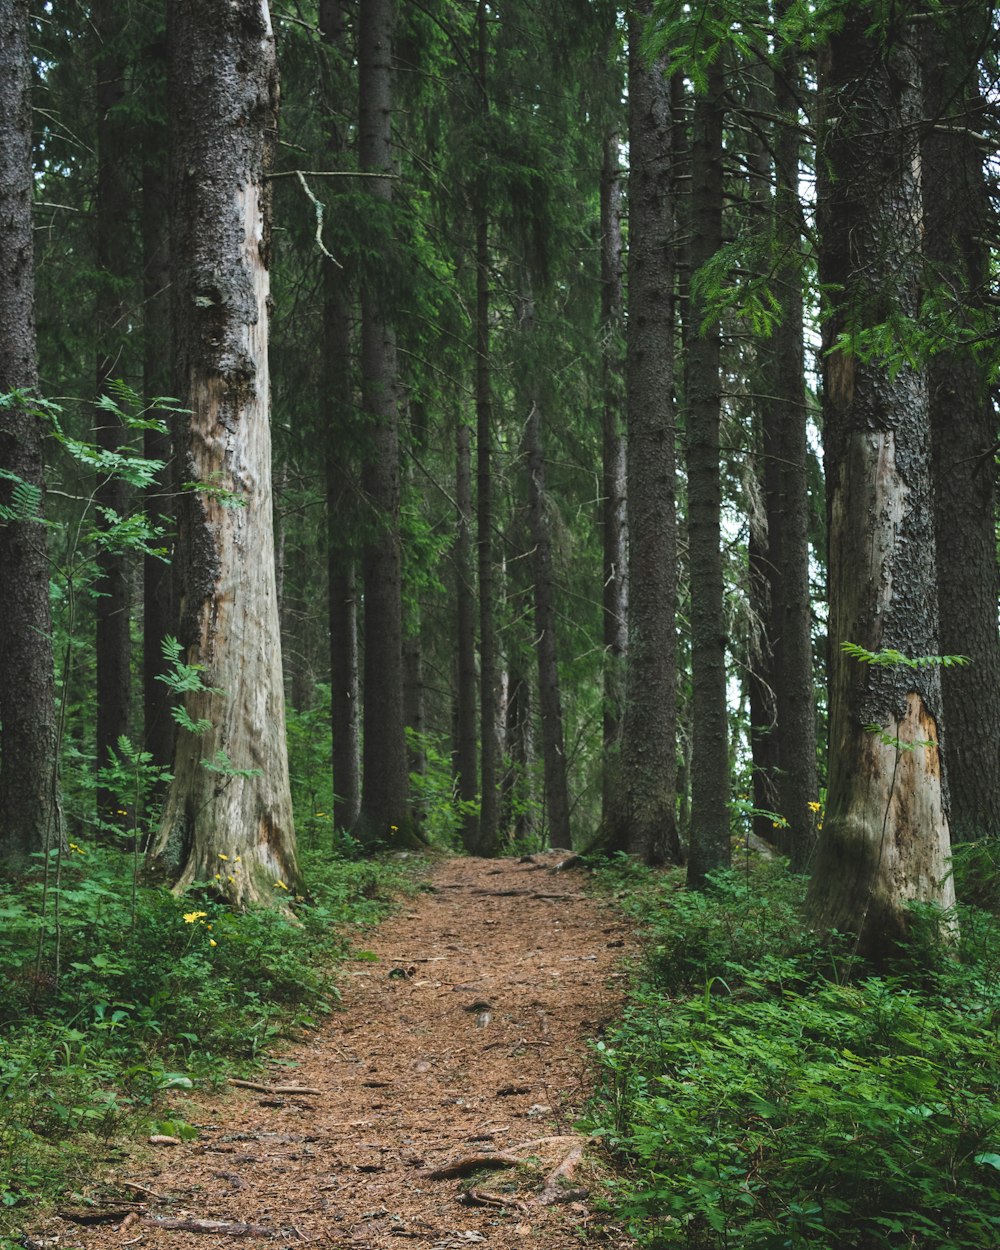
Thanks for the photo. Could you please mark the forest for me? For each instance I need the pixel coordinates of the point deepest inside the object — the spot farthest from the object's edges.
(450, 427)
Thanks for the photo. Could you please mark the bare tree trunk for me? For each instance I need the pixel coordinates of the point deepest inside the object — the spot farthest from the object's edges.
(958, 221)
(613, 468)
(231, 822)
(113, 604)
(28, 799)
(645, 823)
(710, 846)
(465, 610)
(385, 786)
(488, 839)
(158, 608)
(341, 490)
(885, 836)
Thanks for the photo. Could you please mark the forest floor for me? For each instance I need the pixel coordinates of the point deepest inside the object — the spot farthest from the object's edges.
(436, 1106)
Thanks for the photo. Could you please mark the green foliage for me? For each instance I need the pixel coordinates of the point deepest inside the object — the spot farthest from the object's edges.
(896, 659)
(780, 1099)
(149, 997)
(440, 812)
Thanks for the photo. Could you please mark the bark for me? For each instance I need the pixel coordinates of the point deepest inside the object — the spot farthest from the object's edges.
(28, 807)
(158, 603)
(645, 822)
(710, 845)
(465, 610)
(549, 700)
(885, 836)
(384, 808)
(341, 494)
(113, 604)
(613, 468)
(957, 222)
(488, 836)
(223, 105)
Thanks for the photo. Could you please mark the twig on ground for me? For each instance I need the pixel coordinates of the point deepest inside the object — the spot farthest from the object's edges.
(274, 1089)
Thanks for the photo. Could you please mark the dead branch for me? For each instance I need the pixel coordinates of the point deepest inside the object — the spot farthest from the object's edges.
(274, 1089)
(482, 1198)
(221, 1228)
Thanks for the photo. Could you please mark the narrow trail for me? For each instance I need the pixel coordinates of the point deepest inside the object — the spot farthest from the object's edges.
(466, 1038)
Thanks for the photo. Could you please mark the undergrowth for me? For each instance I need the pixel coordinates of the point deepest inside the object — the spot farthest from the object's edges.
(763, 1092)
(103, 1016)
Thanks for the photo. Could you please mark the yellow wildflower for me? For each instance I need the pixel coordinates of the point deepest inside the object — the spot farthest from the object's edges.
(212, 942)
(279, 885)
(221, 856)
(191, 916)
(814, 807)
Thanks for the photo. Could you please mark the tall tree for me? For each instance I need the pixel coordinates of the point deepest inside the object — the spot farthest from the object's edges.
(113, 226)
(384, 767)
(645, 822)
(958, 222)
(28, 798)
(223, 111)
(613, 471)
(709, 846)
(465, 738)
(786, 487)
(341, 485)
(489, 763)
(158, 601)
(885, 834)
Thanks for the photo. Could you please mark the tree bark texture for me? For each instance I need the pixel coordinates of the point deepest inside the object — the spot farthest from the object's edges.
(385, 785)
(710, 846)
(223, 104)
(614, 531)
(338, 415)
(885, 837)
(113, 605)
(28, 804)
(645, 823)
(958, 220)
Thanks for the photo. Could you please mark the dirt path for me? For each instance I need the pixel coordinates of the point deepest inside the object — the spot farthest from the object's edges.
(467, 1037)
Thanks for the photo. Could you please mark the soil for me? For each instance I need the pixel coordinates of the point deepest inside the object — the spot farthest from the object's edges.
(462, 1048)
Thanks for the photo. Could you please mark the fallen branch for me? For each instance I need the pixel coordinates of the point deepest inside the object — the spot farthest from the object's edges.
(221, 1228)
(482, 1198)
(274, 1089)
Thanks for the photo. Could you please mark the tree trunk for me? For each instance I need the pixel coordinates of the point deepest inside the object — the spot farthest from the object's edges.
(613, 468)
(223, 106)
(113, 604)
(645, 823)
(549, 700)
(710, 845)
(465, 610)
(158, 607)
(385, 786)
(341, 490)
(788, 510)
(488, 839)
(885, 835)
(957, 224)
(28, 798)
